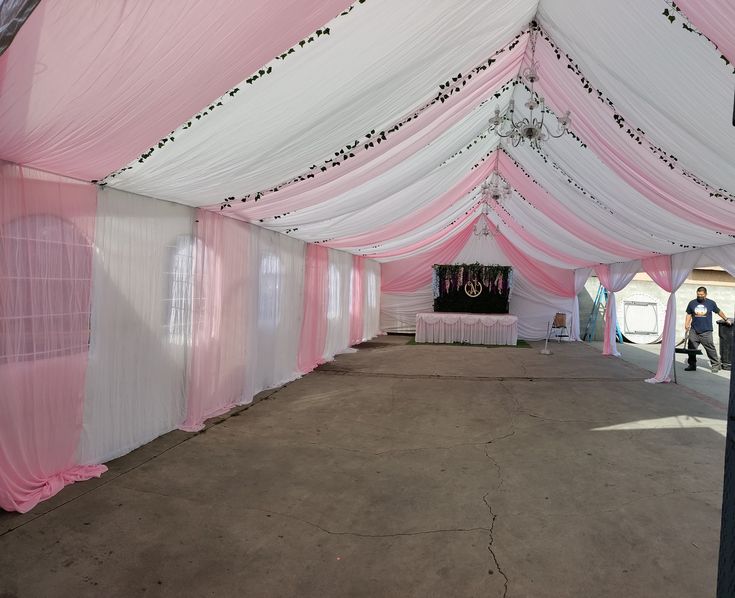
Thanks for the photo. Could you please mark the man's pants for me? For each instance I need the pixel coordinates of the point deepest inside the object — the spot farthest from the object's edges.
(695, 338)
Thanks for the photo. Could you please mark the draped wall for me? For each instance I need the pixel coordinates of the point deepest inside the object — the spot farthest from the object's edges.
(124, 317)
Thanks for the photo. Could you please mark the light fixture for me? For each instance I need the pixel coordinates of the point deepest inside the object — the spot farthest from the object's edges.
(495, 186)
(485, 230)
(528, 128)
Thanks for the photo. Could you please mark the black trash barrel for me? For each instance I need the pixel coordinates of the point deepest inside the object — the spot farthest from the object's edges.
(726, 339)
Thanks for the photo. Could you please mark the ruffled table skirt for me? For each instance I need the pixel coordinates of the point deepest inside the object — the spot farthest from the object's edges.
(473, 329)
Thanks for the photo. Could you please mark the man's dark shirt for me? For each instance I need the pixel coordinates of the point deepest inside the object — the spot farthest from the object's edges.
(702, 314)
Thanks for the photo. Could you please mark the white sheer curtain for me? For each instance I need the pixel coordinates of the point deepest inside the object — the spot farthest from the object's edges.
(371, 300)
(141, 323)
(669, 272)
(278, 286)
(338, 310)
(614, 277)
(724, 256)
(580, 277)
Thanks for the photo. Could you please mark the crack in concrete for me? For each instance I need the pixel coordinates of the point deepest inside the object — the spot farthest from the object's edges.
(360, 535)
(490, 546)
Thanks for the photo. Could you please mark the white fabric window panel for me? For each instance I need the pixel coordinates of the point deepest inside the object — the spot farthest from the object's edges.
(278, 286)
(141, 324)
(371, 299)
(620, 274)
(338, 310)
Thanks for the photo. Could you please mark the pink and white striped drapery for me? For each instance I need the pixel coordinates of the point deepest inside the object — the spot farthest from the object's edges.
(668, 272)
(614, 277)
(46, 252)
(564, 283)
(549, 278)
(316, 299)
(185, 55)
(412, 273)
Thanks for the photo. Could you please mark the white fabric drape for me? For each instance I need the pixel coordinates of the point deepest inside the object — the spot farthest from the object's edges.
(614, 278)
(723, 256)
(580, 277)
(141, 323)
(371, 305)
(338, 310)
(277, 286)
(680, 266)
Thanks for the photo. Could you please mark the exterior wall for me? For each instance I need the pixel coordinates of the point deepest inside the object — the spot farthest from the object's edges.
(720, 287)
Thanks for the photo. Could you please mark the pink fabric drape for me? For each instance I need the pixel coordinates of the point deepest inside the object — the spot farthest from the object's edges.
(614, 278)
(545, 276)
(714, 18)
(220, 341)
(46, 252)
(400, 145)
(316, 302)
(357, 299)
(635, 164)
(410, 274)
(113, 99)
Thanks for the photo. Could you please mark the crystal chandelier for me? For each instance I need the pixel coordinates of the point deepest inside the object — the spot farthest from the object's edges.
(495, 187)
(530, 128)
(485, 230)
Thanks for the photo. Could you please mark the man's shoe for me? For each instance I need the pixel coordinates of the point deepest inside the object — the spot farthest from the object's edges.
(690, 368)
(715, 369)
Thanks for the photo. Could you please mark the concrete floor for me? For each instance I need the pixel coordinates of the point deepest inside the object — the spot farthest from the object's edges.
(406, 471)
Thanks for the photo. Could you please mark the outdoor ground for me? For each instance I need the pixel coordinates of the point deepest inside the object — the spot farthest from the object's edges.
(405, 471)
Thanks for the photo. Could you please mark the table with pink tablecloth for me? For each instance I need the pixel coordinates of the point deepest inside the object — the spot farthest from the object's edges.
(474, 329)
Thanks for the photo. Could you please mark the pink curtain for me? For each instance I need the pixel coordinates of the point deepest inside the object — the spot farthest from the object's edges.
(100, 101)
(614, 277)
(556, 281)
(410, 274)
(46, 252)
(316, 302)
(357, 293)
(217, 380)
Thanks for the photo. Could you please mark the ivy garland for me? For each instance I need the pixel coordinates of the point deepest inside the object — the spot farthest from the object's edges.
(373, 138)
(266, 70)
(687, 25)
(635, 133)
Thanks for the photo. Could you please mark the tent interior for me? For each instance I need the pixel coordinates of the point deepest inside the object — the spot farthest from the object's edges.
(200, 201)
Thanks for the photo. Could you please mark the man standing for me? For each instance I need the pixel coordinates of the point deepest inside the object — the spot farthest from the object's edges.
(698, 325)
